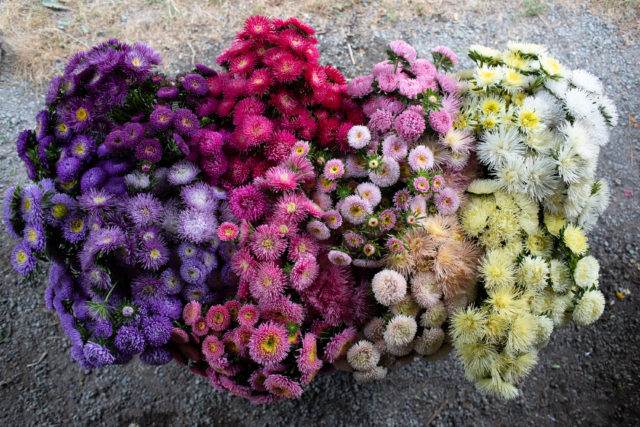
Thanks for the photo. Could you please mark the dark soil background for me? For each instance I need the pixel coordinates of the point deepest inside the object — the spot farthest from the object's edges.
(585, 376)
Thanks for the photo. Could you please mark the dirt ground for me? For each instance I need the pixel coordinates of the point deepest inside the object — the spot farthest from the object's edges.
(585, 376)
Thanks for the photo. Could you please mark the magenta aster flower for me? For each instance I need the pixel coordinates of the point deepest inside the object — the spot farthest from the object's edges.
(291, 207)
(248, 202)
(447, 201)
(191, 312)
(279, 178)
(307, 358)
(228, 231)
(200, 327)
(268, 281)
(212, 348)
(218, 318)
(282, 310)
(410, 124)
(302, 246)
(195, 84)
(440, 121)
(269, 344)
(243, 264)
(421, 158)
(248, 315)
(255, 130)
(266, 243)
(283, 386)
(340, 344)
(185, 122)
(304, 272)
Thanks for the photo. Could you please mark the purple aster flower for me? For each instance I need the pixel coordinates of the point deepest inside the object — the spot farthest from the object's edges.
(74, 228)
(68, 169)
(97, 355)
(22, 143)
(117, 141)
(169, 306)
(129, 340)
(144, 208)
(209, 72)
(157, 330)
(42, 124)
(171, 282)
(138, 62)
(167, 92)
(148, 233)
(78, 356)
(197, 226)
(182, 173)
(102, 329)
(152, 255)
(113, 92)
(115, 185)
(105, 60)
(146, 289)
(30, 168)
(9, 213)
(155, 356)
(149, 150)
(43, 148)
(209, 260)
(185, 122)
(30, 204)
(116, 167)
(96, 277)
(133, 133)
(195, 292)
(78, 114)
(187, 250)
(22, 259)
(161, 118)
(34, 236)
(195, 84)
(96, 200)
(93, 178)
(193, 271)
(199, 196)
(53, 90)
(62, 131)
(107, 239)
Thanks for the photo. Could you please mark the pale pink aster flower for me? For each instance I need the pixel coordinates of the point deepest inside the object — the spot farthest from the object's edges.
(410, 88)
(437, 183)
(445, 51)
(363, 355)
(339, 258)
(421, 158)
(402, 199)
(322, 199)
(440, 121)
(390, 103)
(227, 231)
(423, 67)
(400, 330)
(302, 246)
(358, 137)
(427, 83)
(269, 344)
(355, 209)
(304, 272)
(318, 229)
(452, 104)
(373, 222)
(387, 219)
(394, 147)
(268, 282)
(243, 264)
(421, 184)
(191, 312)
(418, 205)
(384, 67)
(369, 250)
(353, 240)
(369, 192)
(282, 386)
(448, 84)
(389, 287)
(356, 167)
(334, 169)
(403, 49)
(300, 148)
(375, 374)
(388, 82)
(410, 124)
(360, 86)
(395, 245)
(387, 174)
(381, 121)
(340, 344)
(333, 219)
(447, 201)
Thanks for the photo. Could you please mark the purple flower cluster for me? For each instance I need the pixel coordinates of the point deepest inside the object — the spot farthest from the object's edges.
(119, 205)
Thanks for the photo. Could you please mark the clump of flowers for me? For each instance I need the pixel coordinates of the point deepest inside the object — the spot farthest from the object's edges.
(537, 275)
(273, 93)
(119, 205)
(540, 127)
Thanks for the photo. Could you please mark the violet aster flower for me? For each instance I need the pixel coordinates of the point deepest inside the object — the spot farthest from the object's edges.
(117, 141)
(53, 90)
(193, 271)
(152, 255)
(161, 118)
(185, 122)
(167, 92)
(169, 306)
(129, 340)
(96, 200)
(9, 213)
(156, 330)
(197, 226)
(144, 209)
(97, 355)
(149, 150)
(34, 236)
(195, 84)
(30, 203)
(183, 172)
(22, 259)
(155, 356)
(68, 169)
(93, 178)
(42, 124)
(146, 289)
(133, 133)
(171, 282)
(199, 196)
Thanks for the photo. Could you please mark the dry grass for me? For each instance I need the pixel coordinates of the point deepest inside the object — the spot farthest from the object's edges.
(40, 39)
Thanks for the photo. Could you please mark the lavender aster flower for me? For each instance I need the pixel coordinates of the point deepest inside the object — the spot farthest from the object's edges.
(115, 185)
(187, 250)
(97, 355)
(156, 330)
(171, 282)
(152, 255)
(195, 292)
(197, 226)
(144, 209)
(161, 118)
(169, 306)
(22, 259)
(193, 271)
(182, 173)
(115, 167)
(107, 239)
(199, 196)
(167, 92)
(96, 200)
(68, 169)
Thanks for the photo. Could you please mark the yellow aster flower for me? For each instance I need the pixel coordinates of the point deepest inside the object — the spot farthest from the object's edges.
(575, 239)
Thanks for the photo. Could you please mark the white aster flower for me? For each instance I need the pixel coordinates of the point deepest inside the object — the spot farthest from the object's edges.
(512, 174)
(580, 105)
(527, 48)
(587, 81)
(553, 67)
(497, 145)
(608, 110)
(487, 76)
(540, 177)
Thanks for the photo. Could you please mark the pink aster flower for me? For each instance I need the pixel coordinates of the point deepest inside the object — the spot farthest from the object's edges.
(268, 281)
(369, 250)
(284, 311)
(421, 158)
(212, 348)
(410, 124)
(248, 202)
(386, 174)
(437, 183)
(360, 86)
(191, 312)
(353, 240)
(388, 82)
(266, 243)
(227, 231)
(358, 137)
(339, 258)
(384, 67)
(291, 207)
(418, 205)
(269, 344)
(243, 264)
(381, 121)
(307, 358)
(333, 219)
(282, 386)
(395, 245)
(300, 148)
(218, 318)
(256, 129)
(394, 147)
(248, 315)
(410, 88)
(355, 209)
(334, 169)
(340, 344)
(447, 201)
(423, 67)
(318, 229)
(403, 49)
(446, 52)
(234, 388)
(369, 192)
(402, 199)
(387, 219)
(304, 272)
(279, 178)
(199, 327)
(233, 307)
(440, 121)
(302, 246)
(427, 83)
(326, 185)
(421, 184)
(356, 167)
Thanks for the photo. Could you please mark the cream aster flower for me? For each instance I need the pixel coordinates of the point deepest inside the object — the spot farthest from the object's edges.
(586, 272)
(389, 287)
(552, 67)
(400, 330)
(363, 356)
(527, 48)
(533, 273)
(539, 177)
(487, 76)
(434, 317)
(560, 276)
(589, 308)
(374, 374)
(483, 186)
(374, 330)
(429, 342)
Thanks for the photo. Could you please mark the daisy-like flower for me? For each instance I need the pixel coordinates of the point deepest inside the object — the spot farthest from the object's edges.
(218, 318)
(487, 76)
(420, 158)
(193, 271)
(300, 148)
(387, 174)
(339, 258)
(586, 272)
(358, 137)
(22, 259)
(34, 236)
(369, 192)
(248, 315)
(369, 250)
(268, 281)
(74, 229)
(355, 209)
(421, 184)
(496, 146)
(402, 199)
(302, 246)
(334, 169)
(394, 147)
(279, 178)
(227, 231)
(333, 219)
(389, 287)
(191, 312)
(267, 244)
(353, 240)
(387, 219)
(447, 201)
(144, 209)
(395, 245)
(304, 272)
(269, 344)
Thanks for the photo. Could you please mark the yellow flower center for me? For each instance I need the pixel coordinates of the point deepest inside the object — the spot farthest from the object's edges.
(81, 114)
(270, 344)
(21, 257)
(77, 226)
(154, 254)
(62, 128)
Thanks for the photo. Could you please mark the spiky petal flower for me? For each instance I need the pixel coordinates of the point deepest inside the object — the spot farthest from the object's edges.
(269, 344)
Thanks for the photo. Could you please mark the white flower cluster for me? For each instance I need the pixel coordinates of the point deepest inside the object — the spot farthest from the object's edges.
(541, 127)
